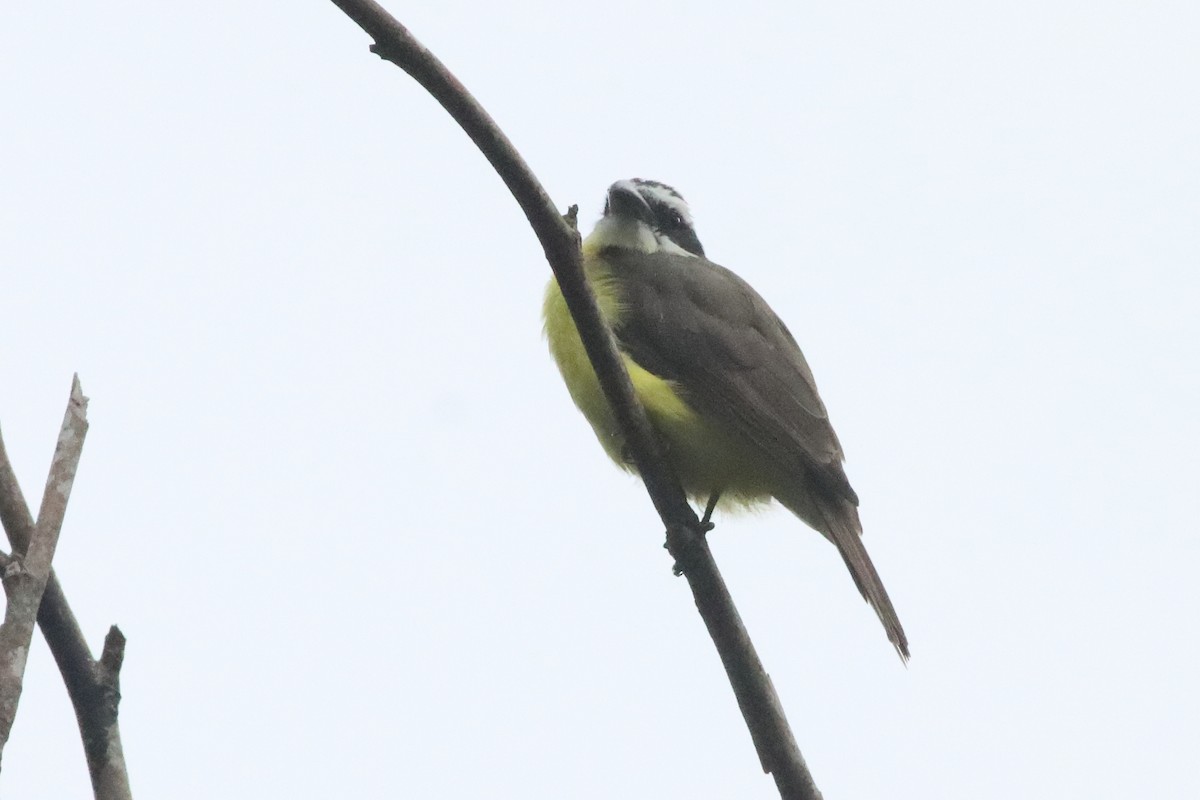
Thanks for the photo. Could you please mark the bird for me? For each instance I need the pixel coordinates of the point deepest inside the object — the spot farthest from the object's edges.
(725, 385)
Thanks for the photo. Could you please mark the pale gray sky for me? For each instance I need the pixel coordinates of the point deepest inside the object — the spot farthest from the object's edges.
(360, 540)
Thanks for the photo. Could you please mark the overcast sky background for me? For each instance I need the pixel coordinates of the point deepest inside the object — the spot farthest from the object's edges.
(363, 545)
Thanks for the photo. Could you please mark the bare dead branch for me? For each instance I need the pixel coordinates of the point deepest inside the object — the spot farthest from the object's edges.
(26, 573)
(92, 686)
(756, 696)
(20, 612)
(102, 741)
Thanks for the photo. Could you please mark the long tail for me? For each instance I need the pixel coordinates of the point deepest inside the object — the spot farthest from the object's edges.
(843, 528)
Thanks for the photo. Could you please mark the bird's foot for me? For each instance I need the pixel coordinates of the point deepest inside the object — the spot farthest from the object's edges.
(706, 523)
(677, 545)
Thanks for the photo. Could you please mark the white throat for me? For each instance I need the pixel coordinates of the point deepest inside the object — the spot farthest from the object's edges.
(630, 234)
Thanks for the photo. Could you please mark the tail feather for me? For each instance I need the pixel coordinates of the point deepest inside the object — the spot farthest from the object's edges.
(846, 532)
(842, 527)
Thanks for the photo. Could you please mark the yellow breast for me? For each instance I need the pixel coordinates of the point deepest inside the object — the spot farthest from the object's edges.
(705, 456)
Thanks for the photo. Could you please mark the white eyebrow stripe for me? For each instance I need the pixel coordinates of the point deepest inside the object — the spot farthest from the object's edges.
(668, 197)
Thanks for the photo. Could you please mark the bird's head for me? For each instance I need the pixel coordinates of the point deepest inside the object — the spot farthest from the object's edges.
(646, 217)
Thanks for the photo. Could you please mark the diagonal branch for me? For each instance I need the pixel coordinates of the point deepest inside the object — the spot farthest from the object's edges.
(26, 573)
(756, 696)
(93, 686)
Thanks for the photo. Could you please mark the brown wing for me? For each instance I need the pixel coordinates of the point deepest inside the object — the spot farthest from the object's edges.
(700, 325)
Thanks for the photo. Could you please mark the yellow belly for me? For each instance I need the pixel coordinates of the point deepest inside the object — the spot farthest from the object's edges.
(704, 454)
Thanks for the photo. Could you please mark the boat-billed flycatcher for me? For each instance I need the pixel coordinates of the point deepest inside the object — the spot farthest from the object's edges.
(723, 382)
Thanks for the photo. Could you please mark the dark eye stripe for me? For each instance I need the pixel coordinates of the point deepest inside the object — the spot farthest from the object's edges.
(666, 216)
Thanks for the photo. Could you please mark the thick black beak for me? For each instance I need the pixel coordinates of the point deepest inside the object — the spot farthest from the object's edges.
(626, 202)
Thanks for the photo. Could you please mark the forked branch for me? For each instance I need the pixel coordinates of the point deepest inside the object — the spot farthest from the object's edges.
(93, 686)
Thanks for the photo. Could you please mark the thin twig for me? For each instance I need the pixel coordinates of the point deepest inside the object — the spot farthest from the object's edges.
(756, 696)
(92, 686)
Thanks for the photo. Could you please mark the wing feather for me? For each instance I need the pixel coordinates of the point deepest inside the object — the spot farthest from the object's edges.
(700, 325)
(704, 328)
